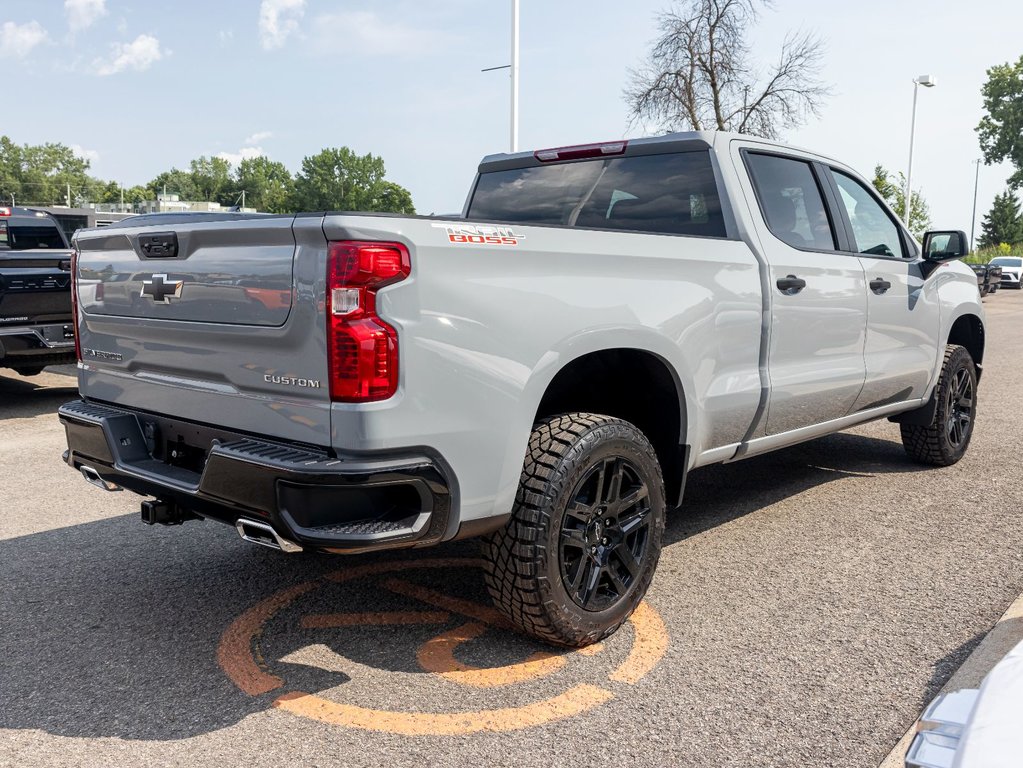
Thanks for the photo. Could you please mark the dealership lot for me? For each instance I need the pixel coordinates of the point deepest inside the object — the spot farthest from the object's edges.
(807, 604)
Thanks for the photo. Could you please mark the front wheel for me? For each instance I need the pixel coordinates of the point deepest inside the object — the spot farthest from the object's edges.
(583, 542)
(945, 440)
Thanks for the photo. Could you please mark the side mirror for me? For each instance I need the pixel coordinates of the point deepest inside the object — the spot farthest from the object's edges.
(946, 245)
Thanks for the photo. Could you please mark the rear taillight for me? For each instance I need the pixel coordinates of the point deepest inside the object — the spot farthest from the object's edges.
(362, 348)
(74, 302)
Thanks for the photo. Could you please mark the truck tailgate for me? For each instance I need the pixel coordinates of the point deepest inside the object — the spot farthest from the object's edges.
(216, 322)
(35, 287)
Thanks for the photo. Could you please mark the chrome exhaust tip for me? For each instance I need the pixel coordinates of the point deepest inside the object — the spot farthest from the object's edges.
(92, 477)
(265, 536)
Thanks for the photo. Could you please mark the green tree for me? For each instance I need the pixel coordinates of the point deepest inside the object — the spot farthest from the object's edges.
(268, 185)
(1003, 223)
(211, 178)
(338, 179)
(10, 170)
(175, 182)
(1001, 129)
(138, 194)
(40, 173)
(393, 198)
(893, 192)
(108, 192)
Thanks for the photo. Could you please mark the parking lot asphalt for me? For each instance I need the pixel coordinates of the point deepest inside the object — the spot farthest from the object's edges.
(807, 604)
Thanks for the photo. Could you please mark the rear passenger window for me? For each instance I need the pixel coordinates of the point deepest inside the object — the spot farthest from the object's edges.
(875, 232)
(667, 193)
(3, 235)
(791, 201)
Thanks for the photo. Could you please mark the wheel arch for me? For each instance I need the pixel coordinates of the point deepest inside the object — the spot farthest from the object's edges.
(634, 384)
(967, 330)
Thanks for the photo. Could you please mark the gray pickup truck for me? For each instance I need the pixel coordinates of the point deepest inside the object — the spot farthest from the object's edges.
(542, 371)
(36, 327)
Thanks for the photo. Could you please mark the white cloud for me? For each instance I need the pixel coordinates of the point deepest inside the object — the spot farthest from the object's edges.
(86, 154)
(277, 20)
(225, 36)
(82, 14)
(258, 137)
(140, 54)
(18, 40)
(245, 153)
(366, 33)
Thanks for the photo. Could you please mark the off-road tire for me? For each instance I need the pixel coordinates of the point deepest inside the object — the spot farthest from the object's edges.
(939, 443)
(524, 561)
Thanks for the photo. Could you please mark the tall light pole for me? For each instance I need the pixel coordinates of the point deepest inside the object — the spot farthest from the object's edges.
(973, 221)
(928, 82)
(515, 77)
(514, 67)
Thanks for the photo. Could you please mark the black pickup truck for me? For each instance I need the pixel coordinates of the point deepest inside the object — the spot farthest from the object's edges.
(989, 277)
(36, 327)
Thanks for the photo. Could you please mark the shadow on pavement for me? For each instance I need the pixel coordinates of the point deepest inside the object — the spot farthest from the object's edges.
(25, 397)
(112, 628)
(720, 493)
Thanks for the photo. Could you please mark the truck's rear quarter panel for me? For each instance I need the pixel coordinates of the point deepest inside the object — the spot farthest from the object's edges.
(483, 330)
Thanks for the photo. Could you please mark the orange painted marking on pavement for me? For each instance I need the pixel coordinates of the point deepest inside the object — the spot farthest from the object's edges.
(472, 610)
(236, 653)
(572, 702)
(239, 656)
(331, 620)
(648, 647)
(590, 650)
(438, 655)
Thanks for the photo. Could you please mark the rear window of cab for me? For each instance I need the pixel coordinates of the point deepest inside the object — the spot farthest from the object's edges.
(663, 194)
(30, 237)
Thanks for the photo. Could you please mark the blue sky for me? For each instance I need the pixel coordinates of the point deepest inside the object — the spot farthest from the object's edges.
(140, 87)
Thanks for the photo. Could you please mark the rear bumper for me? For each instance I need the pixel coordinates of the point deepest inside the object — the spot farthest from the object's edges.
(22, 344)
(319, 501)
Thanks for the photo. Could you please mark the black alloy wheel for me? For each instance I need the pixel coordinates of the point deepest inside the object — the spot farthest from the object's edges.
(959, 407)
(604, 534)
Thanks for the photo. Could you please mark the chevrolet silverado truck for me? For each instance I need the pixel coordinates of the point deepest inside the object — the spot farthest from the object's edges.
(36, 327)
(541, 371)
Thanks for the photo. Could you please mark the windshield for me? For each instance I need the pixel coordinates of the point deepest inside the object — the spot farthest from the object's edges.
(666, 193)
(1007, 261)
(23, 238)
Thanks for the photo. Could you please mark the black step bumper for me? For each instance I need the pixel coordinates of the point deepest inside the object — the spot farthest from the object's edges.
(319, 501)
(26, 345)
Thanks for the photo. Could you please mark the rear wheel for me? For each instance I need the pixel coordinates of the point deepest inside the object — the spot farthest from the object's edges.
(583, 542)
(945, 440)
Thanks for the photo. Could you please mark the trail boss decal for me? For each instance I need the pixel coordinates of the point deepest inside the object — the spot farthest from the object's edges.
(480, 235)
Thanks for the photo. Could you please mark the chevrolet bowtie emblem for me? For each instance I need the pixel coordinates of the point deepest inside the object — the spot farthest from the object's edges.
(161, 289)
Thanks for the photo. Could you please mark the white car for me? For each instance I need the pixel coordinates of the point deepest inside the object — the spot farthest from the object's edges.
(1012, 270)
(974, 728)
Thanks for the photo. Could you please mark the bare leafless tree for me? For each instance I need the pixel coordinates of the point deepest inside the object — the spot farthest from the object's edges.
(700, 75)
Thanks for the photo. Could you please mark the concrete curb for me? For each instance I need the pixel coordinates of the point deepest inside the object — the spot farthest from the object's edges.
(998, 642)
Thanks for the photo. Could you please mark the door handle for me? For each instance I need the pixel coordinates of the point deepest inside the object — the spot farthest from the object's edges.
(879, 286)
(791, 285)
